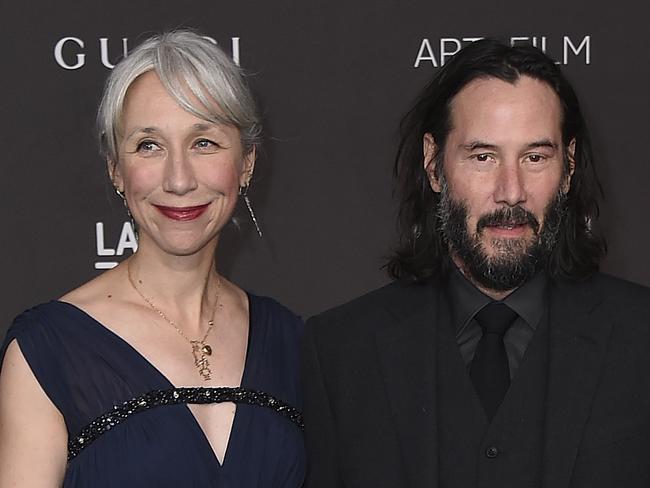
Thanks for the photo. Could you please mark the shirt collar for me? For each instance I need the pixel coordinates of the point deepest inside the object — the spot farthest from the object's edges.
(466, 300)
(529, 299)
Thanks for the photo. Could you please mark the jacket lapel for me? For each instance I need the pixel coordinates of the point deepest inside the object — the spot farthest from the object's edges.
(406, 350)
(580, 329)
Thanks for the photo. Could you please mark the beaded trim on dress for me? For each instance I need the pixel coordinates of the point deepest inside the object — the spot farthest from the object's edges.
(175, 396)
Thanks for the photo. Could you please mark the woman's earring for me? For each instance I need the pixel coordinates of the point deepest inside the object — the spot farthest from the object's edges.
(243, 191)
(128, 211)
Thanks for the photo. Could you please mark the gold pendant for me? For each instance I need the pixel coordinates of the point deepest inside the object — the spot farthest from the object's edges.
(199, 350)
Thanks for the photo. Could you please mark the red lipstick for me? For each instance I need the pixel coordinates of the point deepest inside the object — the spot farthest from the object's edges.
(182, 214)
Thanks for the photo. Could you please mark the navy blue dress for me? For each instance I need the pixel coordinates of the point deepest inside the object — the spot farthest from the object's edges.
(86, 370)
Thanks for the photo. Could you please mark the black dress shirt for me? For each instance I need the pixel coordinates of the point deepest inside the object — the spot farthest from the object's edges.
(466, 300)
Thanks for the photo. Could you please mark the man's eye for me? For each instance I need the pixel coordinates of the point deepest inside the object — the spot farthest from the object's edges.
(536, 158)
(483, 158)
(148, 146)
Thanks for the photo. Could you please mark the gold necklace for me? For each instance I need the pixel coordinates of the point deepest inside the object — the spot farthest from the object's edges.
(200, 348)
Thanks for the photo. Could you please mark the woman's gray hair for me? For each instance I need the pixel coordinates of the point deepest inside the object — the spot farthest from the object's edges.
(187, 65)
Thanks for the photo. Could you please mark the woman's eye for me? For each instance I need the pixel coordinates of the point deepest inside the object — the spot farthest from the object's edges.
(205, 144)
(148, 146)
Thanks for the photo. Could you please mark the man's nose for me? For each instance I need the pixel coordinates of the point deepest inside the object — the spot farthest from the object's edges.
(509, 188)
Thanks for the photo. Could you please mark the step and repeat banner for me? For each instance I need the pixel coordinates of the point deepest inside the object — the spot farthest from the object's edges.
(332, 79)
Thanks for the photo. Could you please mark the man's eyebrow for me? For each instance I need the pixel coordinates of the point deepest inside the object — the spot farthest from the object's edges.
(543, 143)
(473, 145)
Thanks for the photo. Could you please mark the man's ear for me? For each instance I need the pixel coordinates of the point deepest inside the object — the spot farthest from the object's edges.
(115, 175)
(247, 168)
(571, 162)
(430, 151)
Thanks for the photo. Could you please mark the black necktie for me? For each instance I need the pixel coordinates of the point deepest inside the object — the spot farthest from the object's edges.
(489, 371)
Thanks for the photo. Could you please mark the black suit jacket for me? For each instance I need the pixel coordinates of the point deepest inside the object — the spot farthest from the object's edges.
(369, 388)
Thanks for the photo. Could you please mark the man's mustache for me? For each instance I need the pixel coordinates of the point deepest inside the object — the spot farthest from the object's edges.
(508, 216)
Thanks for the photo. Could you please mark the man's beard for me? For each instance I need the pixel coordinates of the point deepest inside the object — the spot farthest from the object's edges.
(514, 260)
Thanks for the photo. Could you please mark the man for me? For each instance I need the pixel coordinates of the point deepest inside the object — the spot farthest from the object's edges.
(499, 357)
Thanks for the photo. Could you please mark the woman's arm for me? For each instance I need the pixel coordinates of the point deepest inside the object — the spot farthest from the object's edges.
(33, 436)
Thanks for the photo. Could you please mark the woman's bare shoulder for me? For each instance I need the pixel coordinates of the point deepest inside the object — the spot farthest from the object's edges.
(99, 293)
(33, 435)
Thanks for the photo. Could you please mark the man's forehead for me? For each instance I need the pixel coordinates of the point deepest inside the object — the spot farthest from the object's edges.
(493, 110)
(475, 144)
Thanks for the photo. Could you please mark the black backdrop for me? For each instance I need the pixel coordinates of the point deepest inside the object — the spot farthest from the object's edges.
(333, 79)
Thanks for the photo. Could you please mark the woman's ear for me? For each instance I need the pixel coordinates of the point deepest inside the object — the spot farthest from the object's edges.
(247, 168)
(115, 175)
(430, 151)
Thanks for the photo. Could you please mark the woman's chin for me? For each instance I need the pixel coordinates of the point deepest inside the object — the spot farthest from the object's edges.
(182, 245)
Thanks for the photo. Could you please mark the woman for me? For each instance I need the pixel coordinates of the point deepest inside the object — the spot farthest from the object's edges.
(163, 330)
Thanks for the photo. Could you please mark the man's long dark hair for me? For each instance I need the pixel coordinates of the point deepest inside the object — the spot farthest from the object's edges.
(422, 252)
